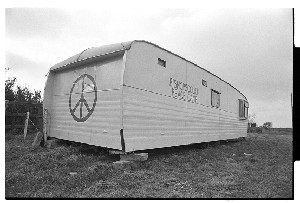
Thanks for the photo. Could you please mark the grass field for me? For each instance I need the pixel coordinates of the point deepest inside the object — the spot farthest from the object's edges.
(261, 166)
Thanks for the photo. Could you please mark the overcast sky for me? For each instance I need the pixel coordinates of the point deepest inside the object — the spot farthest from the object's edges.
(249, 48)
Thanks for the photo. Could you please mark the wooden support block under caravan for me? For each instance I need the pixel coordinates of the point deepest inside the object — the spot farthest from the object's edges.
(116, 152)
(136, 95)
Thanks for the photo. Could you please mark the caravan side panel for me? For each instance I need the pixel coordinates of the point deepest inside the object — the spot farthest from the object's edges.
(152, 118)
(156, 113)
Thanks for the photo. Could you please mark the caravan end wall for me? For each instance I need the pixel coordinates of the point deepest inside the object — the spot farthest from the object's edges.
(95, 118)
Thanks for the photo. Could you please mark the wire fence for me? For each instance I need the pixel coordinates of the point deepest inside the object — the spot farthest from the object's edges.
(15, 115)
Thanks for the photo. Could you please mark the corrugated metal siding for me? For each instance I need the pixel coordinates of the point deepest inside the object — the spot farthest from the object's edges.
(101, 129)
(231, 127)
(153, 118)
(103, 126)
(152, 121)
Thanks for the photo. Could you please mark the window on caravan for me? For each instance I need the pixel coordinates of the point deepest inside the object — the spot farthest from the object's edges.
(161, 62)
(243, 109)
(215, 98)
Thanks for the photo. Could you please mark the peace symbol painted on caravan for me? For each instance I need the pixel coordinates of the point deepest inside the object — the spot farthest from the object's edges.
(88, 86)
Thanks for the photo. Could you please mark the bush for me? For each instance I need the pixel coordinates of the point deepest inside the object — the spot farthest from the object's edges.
(268, 125)
(254, 130)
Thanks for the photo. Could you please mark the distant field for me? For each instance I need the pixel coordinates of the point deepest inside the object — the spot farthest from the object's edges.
(260, 166)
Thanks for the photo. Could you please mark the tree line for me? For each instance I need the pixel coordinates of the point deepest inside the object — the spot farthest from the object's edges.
(19, 100)
(14, 92)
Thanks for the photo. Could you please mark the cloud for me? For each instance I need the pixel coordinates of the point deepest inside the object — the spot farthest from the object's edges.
(35, 22)
(27, 72)
(20, 62)
(278, 112)
(249, 48)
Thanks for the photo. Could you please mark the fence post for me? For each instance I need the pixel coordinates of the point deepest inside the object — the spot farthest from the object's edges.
(13, 121)
(292, 107)
(26, 125)
(6, 103)
(45, 124)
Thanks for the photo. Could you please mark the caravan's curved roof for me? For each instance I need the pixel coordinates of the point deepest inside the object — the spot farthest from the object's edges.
(94, 52)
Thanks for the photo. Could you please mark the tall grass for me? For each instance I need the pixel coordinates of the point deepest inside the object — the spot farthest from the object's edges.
(258, 167)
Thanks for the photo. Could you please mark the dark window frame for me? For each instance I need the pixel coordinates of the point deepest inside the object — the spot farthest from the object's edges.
(243, 109)
(162, 62)
(218, 103)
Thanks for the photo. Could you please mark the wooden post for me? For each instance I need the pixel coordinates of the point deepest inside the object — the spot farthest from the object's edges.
(6, 103)
(13, 119)
(45, 124)
(292, 108)
(26, 125)
(37, 140)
